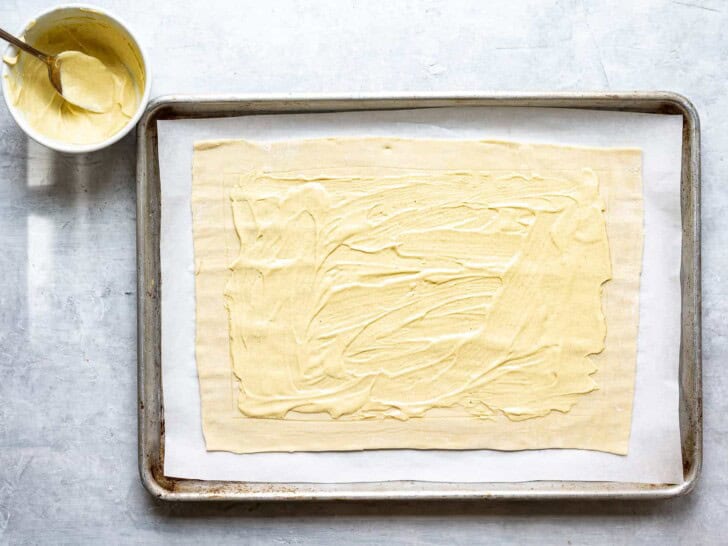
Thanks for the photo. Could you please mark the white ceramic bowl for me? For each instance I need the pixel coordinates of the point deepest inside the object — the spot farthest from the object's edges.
(47, 20)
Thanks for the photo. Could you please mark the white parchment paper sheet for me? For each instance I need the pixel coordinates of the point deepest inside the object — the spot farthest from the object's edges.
(654, 451)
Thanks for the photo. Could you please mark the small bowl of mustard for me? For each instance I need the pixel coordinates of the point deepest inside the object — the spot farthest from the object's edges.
(43, 113)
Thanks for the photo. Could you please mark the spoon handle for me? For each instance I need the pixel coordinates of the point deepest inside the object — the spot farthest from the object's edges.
(25, 47)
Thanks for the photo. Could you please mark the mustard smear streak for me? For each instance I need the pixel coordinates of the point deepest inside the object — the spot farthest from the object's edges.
(390, 296)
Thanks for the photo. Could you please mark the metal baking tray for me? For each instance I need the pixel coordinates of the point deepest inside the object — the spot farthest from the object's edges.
(151, 402)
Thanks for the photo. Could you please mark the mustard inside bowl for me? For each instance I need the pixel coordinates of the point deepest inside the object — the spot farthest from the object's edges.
(114, 85)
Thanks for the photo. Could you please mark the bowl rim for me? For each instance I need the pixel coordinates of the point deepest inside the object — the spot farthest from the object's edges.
(64, 146)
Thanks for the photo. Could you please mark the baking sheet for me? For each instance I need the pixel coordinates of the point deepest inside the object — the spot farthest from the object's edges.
(655, 454)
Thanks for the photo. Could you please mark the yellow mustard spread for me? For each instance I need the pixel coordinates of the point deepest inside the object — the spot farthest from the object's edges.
(101, 90)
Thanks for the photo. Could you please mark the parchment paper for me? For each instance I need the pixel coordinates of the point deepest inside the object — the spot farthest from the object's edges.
(654, 451)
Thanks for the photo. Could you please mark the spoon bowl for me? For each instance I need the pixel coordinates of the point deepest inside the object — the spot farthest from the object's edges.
(85, 81)
(54, 73)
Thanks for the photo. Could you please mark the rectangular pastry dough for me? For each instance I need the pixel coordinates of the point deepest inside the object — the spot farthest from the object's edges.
(432, 294)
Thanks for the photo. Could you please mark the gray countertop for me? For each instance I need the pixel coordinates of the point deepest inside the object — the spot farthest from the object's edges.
(67, 262)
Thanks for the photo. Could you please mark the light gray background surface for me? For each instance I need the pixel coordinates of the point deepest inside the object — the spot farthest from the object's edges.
(68, 275)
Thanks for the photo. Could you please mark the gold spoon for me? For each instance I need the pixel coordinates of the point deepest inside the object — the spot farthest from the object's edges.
(96, 98)
(52, 61)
